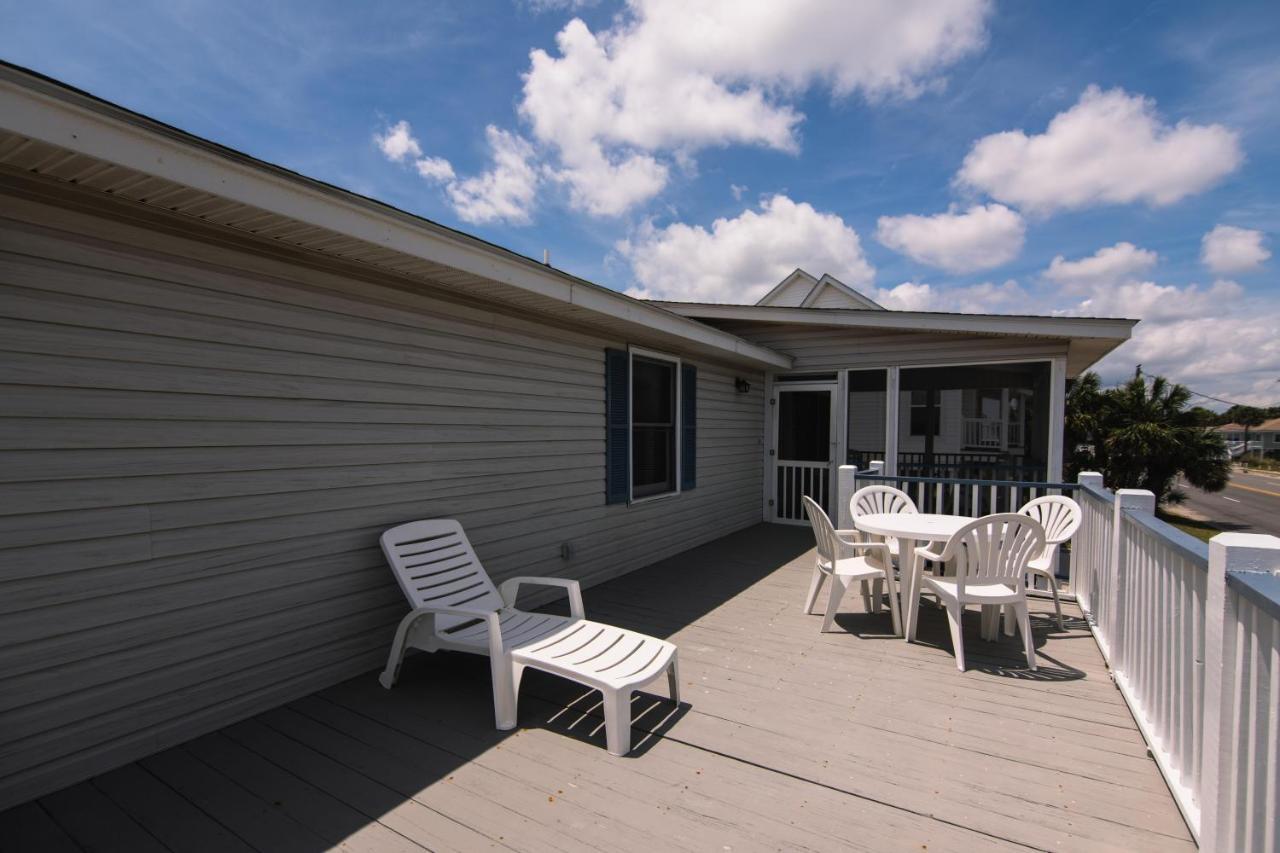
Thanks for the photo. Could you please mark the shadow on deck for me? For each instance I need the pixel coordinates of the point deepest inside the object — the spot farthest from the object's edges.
(789, 739)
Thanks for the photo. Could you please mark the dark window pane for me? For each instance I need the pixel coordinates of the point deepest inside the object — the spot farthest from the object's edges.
(866, 410)
(804, 426)
(653, 428)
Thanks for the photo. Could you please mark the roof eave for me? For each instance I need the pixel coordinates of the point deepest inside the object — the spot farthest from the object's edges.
(40, 108)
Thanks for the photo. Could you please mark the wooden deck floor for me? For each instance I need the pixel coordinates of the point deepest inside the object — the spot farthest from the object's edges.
(790, 740)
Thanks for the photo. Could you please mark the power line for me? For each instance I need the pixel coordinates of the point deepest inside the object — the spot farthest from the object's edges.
(1220, 400)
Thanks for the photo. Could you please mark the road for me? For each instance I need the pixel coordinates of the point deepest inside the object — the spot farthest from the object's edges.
(1249, 504)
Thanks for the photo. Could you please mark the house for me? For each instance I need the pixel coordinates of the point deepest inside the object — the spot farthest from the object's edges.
(223, 379)
(1263, 438)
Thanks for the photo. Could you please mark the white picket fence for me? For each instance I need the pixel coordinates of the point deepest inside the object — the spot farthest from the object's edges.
(1192, 635)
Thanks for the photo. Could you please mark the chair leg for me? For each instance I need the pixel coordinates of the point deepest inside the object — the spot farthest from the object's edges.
(895, 611)
(1008, 620)
(877, 595)
(504, 692)
(1024, 625)
(1057, 604)
(838, 587)
(815, 585)
(404, 636)
(955, 615)
(986, 622)
(617, 721)
(673, 678)
(866, 596)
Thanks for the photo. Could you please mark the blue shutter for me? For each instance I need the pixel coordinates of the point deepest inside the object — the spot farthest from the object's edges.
(617, 433)
(688, 426)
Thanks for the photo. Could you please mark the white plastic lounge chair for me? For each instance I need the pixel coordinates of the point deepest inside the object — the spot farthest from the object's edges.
(456, 607)
(1060, 517)
(874, 565)
(990, 557)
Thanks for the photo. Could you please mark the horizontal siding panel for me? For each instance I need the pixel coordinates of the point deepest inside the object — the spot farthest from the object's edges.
(201, 448)
(24, 465)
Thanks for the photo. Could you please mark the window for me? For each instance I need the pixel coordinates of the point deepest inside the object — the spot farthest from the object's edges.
(653, 426)
(924, 411)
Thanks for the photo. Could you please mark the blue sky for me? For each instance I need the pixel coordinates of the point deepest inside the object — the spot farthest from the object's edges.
(696, 154)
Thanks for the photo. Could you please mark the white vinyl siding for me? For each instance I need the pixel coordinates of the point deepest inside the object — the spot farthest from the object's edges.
(198, 457)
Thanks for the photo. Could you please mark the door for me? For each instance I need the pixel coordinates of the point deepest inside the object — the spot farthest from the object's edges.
(804, 444)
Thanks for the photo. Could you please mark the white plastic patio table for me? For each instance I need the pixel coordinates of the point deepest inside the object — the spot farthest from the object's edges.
(911, 530)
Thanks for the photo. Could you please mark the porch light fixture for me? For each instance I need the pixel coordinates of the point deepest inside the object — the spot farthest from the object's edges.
(741, 385)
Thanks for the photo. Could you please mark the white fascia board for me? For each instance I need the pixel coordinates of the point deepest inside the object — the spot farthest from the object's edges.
(991, 324)
(43, 110)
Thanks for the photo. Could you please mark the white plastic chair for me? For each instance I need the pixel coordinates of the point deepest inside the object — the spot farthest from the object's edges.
(457, 607)
(989, 556)
(874, 565)
(874, 500)
(1060, 517)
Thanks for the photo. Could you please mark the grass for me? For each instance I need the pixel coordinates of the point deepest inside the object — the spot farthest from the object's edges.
(1202, 530)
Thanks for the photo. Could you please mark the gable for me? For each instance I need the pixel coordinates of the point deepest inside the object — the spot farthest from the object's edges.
(791, 292)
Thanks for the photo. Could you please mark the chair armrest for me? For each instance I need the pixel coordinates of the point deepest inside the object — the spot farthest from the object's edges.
(430, 612)
(510, 590)
(926, 554)
(866, 546)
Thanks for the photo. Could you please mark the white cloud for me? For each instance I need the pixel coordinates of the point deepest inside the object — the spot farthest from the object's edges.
(908, 296)
(1155, 303)
(507, 190)
(738, 190)
(435, 169)
(666, 79)
(1228, 249)
(558, 5)
(738, 260)
(1221, 341)
(1110, 148)
(980, 238)
(988, 297)
(1109, 265)
(397, 142)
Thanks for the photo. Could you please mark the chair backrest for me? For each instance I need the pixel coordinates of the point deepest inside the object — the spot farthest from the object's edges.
(1058, 515)
(824, 533)
(874, 500)
(437, 567)
(994, 549)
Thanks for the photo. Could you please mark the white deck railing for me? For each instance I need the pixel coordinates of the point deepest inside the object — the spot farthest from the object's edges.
(1191, 634)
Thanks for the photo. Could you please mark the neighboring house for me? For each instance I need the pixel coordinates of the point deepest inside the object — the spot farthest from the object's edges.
(1263, 438)
(222, 380)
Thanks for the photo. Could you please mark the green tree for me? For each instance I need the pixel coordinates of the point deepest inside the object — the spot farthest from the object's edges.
(1144, 435)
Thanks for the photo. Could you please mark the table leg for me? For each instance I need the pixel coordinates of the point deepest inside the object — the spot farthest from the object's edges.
(911, 566)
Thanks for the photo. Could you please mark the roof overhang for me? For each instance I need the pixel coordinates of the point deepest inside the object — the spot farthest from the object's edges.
(70, 136)
(1088, 338)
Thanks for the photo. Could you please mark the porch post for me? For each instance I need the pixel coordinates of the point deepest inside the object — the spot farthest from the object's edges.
(891, 421)
(1237, 709)
(1057, 417)
(846, 485)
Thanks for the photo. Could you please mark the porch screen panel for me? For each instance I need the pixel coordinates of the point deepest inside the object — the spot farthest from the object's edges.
(987, 422)
(866, 416)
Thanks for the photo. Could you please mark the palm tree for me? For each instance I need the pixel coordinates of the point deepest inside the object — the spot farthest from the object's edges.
(1145, 435)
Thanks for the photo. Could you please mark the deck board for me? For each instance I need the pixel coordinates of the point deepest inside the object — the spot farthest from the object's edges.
(788, 739)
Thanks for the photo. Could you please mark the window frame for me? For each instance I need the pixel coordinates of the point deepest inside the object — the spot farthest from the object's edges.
(677, 421)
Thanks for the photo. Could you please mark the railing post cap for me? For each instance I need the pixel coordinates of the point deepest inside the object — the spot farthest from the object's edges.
(1093, 478)
(1140, 500)
(1246, 552)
